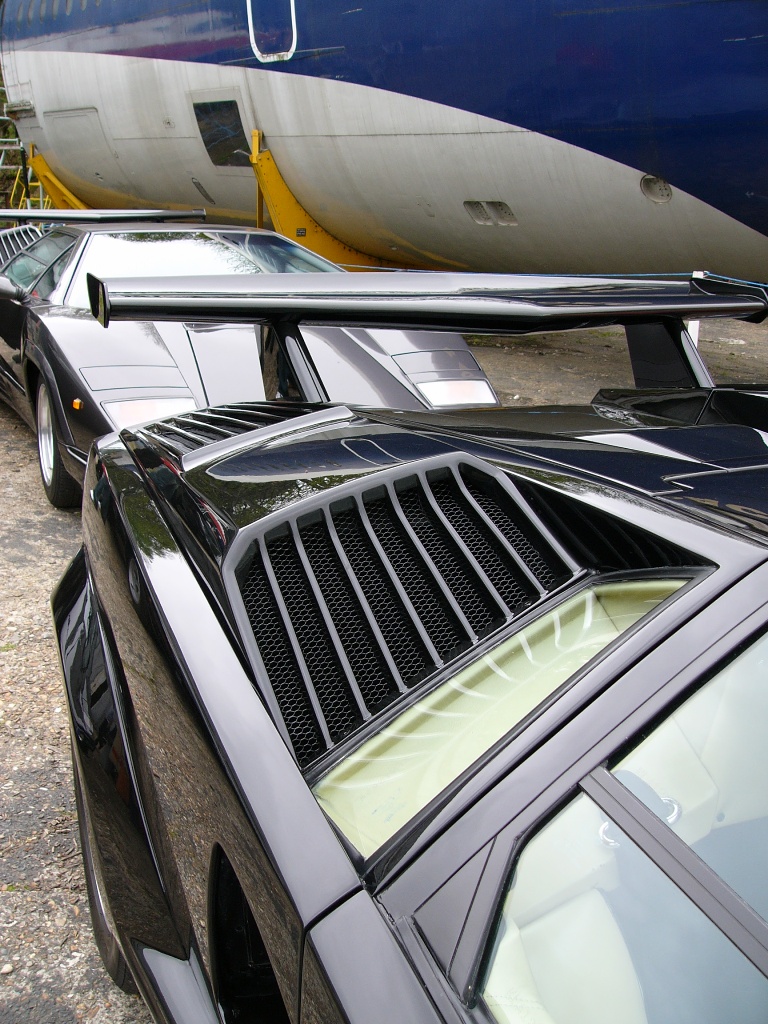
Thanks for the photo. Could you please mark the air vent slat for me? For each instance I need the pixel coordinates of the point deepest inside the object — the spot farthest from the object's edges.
(406, 638)
(357, 644)
(276, 653)
(187, 425)
(234, 420)
(490, 548)
(359, 598)
(326, 680)
(445, 629)
(543, 563)
(201, 428)
(170, 443)
(474, 593)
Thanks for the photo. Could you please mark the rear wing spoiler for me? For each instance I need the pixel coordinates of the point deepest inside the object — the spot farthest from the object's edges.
(97, 216)
(467, 303)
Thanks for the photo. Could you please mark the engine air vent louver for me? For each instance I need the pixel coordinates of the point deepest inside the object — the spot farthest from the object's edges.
(183, 434)
(601, 541)
(356, 601)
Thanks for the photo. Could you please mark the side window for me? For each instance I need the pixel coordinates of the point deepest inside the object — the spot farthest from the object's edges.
(24, 270)
(591, 930)
(49, 246)
(51, 277)
(705, 771)
(28, 265)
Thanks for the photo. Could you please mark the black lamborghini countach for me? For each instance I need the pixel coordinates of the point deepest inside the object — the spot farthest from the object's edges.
(423, 717)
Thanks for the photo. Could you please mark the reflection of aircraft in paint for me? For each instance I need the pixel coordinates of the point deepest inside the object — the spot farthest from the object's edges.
(495, 135)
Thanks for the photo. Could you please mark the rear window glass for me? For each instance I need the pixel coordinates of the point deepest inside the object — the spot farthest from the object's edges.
(50, 245)
(386, 781)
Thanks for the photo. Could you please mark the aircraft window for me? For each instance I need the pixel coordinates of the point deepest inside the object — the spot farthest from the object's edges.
(20, 14)
(222, 133)
(55, 9)
(272, 25)
(30, 11)
(68, 8)
(43, 8)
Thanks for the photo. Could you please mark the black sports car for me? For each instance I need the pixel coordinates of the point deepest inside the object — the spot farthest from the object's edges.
(430, 717)
(72, 383)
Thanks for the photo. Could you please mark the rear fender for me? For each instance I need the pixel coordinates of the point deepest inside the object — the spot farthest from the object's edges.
(138, 909)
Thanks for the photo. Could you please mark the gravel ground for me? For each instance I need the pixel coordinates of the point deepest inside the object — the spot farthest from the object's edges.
(569, 368)
(50, 972)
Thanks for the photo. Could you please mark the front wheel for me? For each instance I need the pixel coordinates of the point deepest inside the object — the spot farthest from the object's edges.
(106, 943)
(60, 489)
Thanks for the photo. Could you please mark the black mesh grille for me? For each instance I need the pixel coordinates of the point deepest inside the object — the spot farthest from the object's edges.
(315, 643)
(397, 626)
(357, 637)
(510, 582)
(381, 588)
(450, 558)
(282, 668)
(431, 608)
(508, 518)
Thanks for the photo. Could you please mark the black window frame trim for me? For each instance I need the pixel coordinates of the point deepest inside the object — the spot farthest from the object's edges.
(678, 861)
(474, 925)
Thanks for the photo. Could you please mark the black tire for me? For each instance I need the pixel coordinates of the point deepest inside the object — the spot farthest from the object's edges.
(60, 489)
(106, 943)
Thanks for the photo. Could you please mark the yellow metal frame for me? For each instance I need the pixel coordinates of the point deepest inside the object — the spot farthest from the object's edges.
(289, 217)
(56, 190)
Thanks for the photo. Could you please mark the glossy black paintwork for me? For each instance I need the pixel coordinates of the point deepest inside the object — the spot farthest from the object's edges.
(212, 766)
(401, 936)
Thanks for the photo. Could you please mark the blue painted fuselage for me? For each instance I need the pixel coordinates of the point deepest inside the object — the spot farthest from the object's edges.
(676, 90)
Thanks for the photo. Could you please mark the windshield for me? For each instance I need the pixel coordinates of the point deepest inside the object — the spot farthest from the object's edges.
(163, 254)
(385, 782)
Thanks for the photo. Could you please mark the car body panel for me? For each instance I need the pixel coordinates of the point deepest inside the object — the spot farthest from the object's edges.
(242, 588)
(223, 778)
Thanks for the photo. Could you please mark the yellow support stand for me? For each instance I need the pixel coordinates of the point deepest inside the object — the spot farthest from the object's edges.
(289, 217)
(58, 192)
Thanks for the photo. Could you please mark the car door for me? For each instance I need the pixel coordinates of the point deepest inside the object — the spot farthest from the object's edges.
(12, 318)
(36, 270)
(628, 882)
